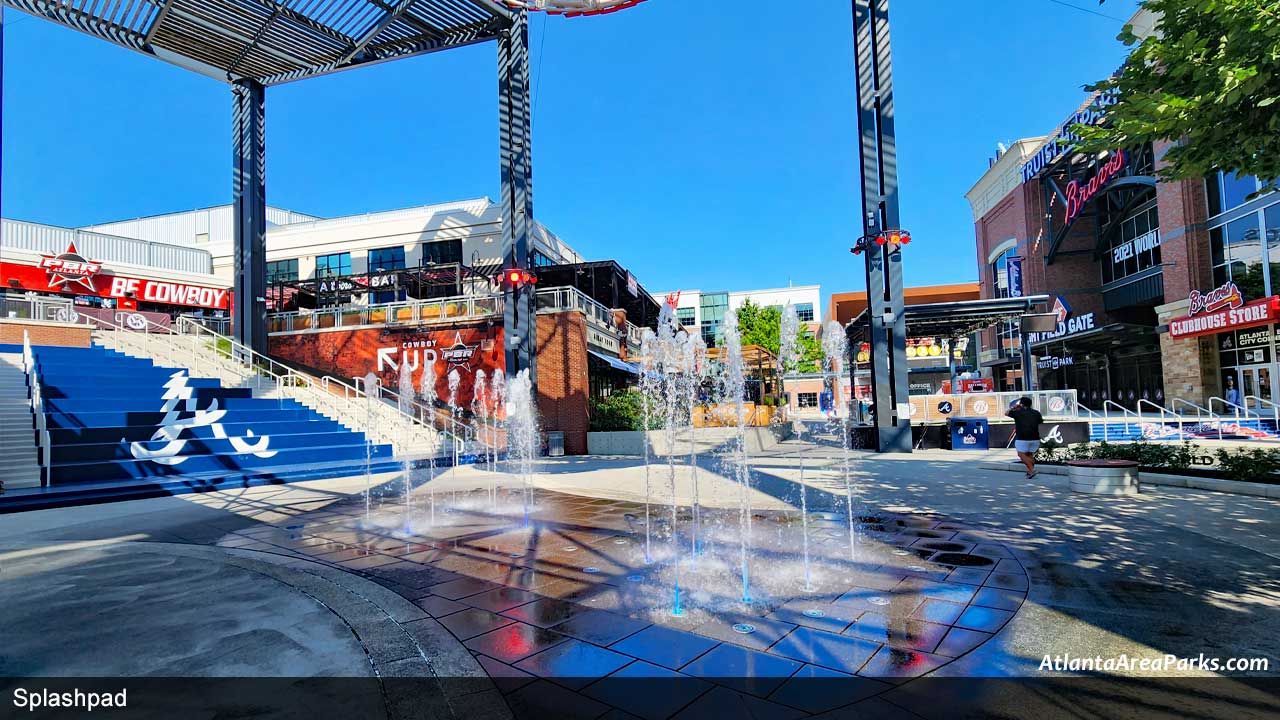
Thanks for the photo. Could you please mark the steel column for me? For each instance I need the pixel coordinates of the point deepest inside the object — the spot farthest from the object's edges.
(880, 212)
(249, 187)
(516, 135)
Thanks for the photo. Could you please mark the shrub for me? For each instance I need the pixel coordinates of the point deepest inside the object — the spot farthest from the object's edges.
(621, 411)
(1249, 464)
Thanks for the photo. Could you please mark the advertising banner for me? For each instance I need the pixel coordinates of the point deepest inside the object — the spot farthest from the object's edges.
(61, 275)
(1014, 269)
(349, 354)
(134, 320)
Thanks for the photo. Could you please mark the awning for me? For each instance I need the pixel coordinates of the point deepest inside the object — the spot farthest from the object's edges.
(616, 363)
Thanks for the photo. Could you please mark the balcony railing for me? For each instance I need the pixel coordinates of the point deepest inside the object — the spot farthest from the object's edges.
(445, 310)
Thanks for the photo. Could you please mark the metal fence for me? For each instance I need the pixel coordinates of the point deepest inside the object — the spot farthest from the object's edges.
(403, 313)
(40, 308)
(1059, 405)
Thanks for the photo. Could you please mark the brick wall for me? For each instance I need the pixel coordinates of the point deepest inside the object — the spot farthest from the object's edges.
(1190, 364)
(44, 333)
(563, 384)
(1184, 240)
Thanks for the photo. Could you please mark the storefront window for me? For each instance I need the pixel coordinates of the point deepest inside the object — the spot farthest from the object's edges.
(282, 271)
(1271, 221)
(335, 265)
(1007, 336)
(1135, 247)
(1238, 256)
(442, 251)
(1228, 190)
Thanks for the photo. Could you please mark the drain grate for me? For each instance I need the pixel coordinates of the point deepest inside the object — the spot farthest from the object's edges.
(962, 560)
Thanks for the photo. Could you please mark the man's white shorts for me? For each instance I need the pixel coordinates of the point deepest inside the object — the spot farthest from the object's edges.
(1026, 446)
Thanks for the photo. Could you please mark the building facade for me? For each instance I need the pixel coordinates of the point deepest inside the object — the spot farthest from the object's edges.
(1163, 291)
(705, 310)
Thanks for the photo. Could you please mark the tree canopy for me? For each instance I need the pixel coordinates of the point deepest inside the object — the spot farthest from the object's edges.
(763, 326)
(1208, 77)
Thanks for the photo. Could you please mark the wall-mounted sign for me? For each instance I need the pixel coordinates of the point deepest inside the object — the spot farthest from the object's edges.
(103, 284)
(1079, 194)
(1131, 248)
(1227, 296)
(1061, 141)
(633, 286)
(1259, 312)
(1070, 326)
(1260, 337)
(70, 267)
(1055, 362)
(1013, 269)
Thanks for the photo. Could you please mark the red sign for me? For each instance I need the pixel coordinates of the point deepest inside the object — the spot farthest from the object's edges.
(49, 277)
(1259, 312)
(70, 267)
(1080, 193)
(1226, 296)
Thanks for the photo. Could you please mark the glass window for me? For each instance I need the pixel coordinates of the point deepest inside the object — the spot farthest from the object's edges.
(1237, 253)
(1235, 189)
(1008, 339)
(282, 270)
(537, 259)
(333, 265)
(686, 316)
(1271, 219)
(442, 251)
(804, 311)
(391, 258)
(1135, 246)
(807, 400)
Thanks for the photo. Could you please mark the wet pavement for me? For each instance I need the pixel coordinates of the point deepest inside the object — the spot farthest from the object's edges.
(952, 573)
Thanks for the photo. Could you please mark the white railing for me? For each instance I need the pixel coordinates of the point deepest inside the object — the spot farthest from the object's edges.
(1161, 410)
(43, 445)
(452, 309)
(39, 307)
(1201, 412)
(1237, 408)
(1093, 415)
(1275, 409)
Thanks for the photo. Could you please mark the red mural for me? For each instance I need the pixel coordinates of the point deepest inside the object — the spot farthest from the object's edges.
(349, 354)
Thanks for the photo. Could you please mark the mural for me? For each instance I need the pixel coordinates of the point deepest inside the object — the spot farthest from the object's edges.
(455, 351)
(179, 398)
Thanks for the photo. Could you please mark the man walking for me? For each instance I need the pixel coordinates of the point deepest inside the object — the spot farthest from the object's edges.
(1026, 432)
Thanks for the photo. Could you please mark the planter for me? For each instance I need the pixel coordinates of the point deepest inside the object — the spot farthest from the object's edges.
(1103, 477)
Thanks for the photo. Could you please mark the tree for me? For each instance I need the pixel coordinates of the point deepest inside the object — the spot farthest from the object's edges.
(1208, 77)
(763, 326)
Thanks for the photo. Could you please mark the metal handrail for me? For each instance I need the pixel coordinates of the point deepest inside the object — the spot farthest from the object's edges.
(1275, 409)
(1162, 410)
(44, 445)
(1238, 408)
(1199, 418)
(1087, 411)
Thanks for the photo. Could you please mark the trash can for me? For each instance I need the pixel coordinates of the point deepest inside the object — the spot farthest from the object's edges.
(555, 443)
(969, 433)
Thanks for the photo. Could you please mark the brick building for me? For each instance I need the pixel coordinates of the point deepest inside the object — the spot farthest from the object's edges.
(1165, 291)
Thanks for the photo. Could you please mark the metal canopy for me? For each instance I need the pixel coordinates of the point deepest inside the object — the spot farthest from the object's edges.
(956, 319)
(278, 41)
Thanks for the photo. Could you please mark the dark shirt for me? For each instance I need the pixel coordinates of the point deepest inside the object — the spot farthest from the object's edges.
(1026, 423)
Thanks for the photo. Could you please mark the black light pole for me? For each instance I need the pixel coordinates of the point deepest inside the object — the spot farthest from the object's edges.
(887, 324)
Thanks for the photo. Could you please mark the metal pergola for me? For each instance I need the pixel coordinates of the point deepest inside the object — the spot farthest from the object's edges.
(254, 44)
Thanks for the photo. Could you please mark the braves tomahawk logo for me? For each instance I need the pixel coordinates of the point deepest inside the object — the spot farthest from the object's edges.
(179, 398)
(70, 267)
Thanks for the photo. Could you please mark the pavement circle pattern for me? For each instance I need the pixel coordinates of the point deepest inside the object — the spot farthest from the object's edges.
(558, 611)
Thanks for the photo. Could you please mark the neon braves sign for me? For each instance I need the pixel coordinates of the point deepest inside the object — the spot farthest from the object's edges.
(1226, 296)
(1078, 194)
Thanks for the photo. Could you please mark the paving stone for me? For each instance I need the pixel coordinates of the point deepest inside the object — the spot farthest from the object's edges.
(818, 689)
(600, 627)
(648, 691)
(664, 646)
(722, 703)
(741, 669)
(574, 663)
(818, 647)
(471, 622)
(985, 619)
(514, 642)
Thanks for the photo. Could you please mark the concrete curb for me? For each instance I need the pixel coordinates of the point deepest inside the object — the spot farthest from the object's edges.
(1232, 487)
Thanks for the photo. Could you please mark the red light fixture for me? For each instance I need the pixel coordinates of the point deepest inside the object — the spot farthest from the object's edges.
(514, 278)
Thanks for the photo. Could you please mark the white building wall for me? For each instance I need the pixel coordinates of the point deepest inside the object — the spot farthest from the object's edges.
(201, 227)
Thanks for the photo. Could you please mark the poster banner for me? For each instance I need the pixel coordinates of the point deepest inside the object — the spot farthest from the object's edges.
(135, 320)
(350, 354)
(1014, 269)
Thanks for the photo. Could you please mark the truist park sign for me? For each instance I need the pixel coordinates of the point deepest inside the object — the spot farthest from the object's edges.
(1062, 141)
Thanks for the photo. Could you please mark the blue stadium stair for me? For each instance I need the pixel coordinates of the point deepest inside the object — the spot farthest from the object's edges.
(1130, 431)
(121, 427)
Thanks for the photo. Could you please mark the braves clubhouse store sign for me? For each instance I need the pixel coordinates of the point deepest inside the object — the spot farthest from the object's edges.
(71, 272)
(1230, 317)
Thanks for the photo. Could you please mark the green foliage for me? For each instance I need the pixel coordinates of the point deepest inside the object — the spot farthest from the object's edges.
(1210, 77)
(1256, 464)
(763, 326)
(1249, 464)
(620, 411)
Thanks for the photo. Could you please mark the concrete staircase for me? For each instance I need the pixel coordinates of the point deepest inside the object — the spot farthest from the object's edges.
(19, 461)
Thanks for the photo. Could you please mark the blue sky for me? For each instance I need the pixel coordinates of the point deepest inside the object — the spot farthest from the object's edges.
(698, 147)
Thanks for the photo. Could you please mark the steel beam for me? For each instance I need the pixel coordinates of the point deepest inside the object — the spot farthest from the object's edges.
(888, 328)
(516, 135)
(249, 187)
